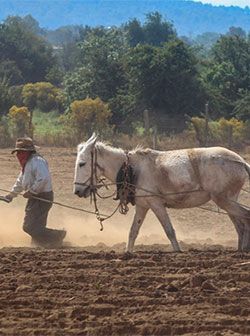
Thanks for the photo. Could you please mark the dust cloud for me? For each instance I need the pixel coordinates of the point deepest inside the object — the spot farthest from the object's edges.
(84, 230)
(11, 234)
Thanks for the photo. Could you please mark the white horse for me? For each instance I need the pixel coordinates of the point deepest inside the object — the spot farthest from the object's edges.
(170, 179)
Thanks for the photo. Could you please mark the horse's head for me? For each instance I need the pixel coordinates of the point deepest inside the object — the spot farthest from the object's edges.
(84, 167)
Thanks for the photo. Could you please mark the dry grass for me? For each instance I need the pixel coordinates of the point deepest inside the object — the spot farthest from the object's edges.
(163, 142)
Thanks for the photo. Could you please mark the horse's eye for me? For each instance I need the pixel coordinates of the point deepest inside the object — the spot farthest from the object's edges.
(81, 164)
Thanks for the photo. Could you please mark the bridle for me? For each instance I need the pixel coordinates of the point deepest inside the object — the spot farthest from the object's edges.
(92, 186)
(125, 186)
(94, 166)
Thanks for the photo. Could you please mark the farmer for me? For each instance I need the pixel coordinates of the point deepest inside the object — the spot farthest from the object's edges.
(34, 179)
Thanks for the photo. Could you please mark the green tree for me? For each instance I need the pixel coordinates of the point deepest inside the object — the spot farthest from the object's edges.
(234, 50)
(135, 32)
(157, 30)
(100, 72)
(30, 56)
(10, 71)
(228, 72)
(237, 31)
(165, 79)
(5, 98)
(242, 107)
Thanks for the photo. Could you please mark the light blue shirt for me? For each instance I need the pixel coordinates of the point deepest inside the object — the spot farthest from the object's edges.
(35, 178)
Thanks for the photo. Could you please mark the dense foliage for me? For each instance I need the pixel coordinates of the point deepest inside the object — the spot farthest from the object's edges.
(24, 56)
(113, 75)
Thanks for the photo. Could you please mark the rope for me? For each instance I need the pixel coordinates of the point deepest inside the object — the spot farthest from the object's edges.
(151, 194)
(122, 206)
(57, 203)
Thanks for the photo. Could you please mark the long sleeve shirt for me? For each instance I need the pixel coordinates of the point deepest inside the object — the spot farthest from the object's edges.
(35, 178)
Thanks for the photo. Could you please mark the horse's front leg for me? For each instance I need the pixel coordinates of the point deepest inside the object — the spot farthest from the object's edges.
(161, 213)
(140, 213)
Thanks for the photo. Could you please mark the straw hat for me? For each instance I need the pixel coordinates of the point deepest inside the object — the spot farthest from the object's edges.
(24, 144)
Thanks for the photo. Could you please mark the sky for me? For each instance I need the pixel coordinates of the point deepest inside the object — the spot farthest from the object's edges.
(240, 3)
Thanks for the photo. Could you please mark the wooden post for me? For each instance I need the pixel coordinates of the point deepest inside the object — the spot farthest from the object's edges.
(31, 133)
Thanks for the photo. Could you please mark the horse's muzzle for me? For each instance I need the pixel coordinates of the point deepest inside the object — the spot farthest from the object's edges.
(82, 193)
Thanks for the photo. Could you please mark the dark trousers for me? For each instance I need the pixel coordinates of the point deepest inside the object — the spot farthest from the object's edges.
(35, 220)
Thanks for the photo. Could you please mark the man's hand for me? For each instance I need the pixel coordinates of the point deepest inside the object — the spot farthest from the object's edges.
(8, 198)
(28, 194)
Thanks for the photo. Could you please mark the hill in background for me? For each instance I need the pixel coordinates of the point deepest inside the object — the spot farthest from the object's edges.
(190, 18)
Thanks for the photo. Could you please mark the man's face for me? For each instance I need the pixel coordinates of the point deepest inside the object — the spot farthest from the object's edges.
(22, 156)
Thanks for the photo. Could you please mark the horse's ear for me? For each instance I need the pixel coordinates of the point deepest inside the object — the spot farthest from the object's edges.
(93, 136)
(79, 147)
(92, 140)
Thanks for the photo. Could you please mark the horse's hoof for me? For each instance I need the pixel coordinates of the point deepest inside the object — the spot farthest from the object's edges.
(127, 256)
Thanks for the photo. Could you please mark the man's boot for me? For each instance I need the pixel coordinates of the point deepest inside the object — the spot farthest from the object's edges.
(56, 237)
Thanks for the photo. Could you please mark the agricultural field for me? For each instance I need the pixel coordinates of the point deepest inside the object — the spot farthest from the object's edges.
(91, 287)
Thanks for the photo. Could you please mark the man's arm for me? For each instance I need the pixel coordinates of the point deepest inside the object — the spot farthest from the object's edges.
(16, 189)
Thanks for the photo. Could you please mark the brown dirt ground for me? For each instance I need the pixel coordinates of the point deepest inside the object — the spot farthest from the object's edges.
(94, 288)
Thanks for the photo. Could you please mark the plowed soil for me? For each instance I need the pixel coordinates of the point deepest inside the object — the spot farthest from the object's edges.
(92, 287)
(74, 292)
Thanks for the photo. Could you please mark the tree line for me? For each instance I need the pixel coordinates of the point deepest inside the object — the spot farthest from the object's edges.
(129, 69)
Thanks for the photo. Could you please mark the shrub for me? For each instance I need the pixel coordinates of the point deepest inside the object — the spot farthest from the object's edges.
(90, 115)
(19, 118)
(42, 95)
(230, 132)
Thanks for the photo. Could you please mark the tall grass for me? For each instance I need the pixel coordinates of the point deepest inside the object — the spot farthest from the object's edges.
(50, 130)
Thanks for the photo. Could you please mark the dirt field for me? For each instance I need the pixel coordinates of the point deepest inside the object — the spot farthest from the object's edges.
(93, 288)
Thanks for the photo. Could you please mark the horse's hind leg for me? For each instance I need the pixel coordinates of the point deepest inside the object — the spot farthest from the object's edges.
(239, 227)
(240, 217)
(161, 213)
(139, 216)
(246, 238)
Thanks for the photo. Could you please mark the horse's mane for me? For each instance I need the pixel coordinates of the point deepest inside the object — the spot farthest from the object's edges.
(144, 151)
(138, 150)
(103, 145)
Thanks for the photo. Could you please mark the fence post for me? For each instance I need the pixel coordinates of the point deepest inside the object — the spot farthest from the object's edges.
(31, 133)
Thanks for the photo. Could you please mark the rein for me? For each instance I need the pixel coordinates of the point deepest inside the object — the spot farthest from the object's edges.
(93, 187)
(125, 188)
